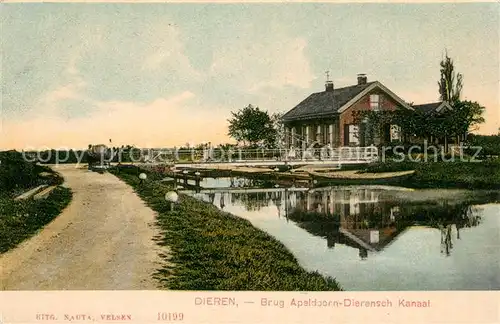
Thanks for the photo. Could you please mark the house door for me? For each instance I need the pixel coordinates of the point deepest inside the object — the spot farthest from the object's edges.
(386, 136)
(346, 135)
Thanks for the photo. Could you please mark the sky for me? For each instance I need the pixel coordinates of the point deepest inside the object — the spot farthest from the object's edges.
(160, 75)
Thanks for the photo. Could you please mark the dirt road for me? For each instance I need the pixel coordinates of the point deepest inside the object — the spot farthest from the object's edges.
(103, 240)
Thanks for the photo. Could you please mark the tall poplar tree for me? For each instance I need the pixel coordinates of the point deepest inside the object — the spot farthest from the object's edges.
(450, 83)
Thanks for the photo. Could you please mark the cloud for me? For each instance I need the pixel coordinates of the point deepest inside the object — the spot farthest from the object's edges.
(162, 122)
(166, 75)
(269, 64)
(291, 68)
(164, 49)
(70, 89)
(121, 83)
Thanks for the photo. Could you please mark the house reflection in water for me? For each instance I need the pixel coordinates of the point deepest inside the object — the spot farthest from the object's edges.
(353, 216)
(357, 217)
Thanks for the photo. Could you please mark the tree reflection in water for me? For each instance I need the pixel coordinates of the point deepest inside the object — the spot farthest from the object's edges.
(358, 218)
(465, 219)
(372, 226)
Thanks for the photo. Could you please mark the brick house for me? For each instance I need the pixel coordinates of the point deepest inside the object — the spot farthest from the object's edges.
(326, 118)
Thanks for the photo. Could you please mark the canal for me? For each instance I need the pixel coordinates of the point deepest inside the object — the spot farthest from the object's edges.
(375, 237)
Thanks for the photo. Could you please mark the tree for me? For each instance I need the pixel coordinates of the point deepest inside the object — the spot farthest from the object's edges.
(450, 88)
(466, 116)
(280, 129)
(253, 126)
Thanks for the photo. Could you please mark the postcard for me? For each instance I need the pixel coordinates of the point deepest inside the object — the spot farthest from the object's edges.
(244, 162)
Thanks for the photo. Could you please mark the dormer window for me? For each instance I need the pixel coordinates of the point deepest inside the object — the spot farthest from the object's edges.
(375, 102)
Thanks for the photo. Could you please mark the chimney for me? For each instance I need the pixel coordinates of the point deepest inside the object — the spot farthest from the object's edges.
(362, 79)
(329, 86)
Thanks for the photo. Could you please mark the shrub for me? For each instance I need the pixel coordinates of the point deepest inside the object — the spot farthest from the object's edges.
(490, 145)
(17, 173)
(483, 175)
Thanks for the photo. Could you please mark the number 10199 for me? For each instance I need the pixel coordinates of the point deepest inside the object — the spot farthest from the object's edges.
(170, 316)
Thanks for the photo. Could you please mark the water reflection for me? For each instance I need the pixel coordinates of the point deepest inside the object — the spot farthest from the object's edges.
(356, 217)
(360, 219)
(373, 238)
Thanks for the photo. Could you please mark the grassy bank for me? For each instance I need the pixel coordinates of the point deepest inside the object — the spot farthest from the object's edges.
(19, 220)
(214, 250)
(469, 175)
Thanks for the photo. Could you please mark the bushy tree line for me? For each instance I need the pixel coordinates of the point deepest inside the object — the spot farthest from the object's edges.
(127, 154)
(490, 144)
(464, 116)
(455, 123)
(255, 127)
(16, 172)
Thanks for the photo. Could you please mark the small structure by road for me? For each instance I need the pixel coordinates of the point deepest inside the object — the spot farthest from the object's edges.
(30, 193)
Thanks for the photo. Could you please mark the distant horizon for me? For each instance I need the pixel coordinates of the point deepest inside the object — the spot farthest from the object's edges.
(165, 74)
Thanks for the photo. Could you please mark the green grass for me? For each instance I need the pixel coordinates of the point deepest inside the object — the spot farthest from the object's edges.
(390, 166)
(470, 175)
(458, 174)
(214, 250)
(20, 220)
(490, 144)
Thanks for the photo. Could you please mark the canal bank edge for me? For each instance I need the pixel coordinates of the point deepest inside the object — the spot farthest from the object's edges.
(215, 250)
(417, 175)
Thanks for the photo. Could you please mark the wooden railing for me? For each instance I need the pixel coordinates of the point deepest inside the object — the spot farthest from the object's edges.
(341, 154)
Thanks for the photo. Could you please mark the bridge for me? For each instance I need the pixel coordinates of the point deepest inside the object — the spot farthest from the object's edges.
(215, 158)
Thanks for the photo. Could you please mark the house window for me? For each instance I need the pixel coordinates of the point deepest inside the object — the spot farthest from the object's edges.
(375, 102)
(353, 135)
(395, 133)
